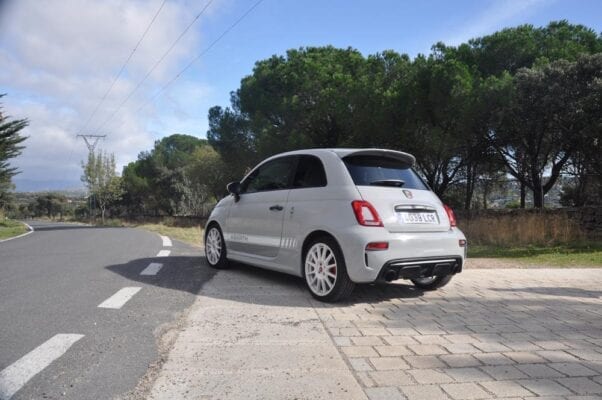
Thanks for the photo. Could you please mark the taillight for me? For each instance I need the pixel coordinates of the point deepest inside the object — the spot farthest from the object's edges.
(450, 215)
(365, 214)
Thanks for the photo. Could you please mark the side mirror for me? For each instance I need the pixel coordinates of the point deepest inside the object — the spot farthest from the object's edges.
(234, 189)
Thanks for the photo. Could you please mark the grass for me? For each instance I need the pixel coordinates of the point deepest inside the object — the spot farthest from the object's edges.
(191, 235)
(583, 254)
(532, 239)
(10, 228)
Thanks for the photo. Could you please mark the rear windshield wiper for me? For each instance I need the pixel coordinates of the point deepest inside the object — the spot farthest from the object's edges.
(388, 182)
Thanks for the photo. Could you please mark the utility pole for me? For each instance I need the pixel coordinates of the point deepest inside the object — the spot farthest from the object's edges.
(91, 142)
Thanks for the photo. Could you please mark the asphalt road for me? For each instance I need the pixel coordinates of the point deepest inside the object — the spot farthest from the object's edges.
(52, 283)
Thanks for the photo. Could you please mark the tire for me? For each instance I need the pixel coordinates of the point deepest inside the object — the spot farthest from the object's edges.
(215, 248)
(432, 284)
(326, 281)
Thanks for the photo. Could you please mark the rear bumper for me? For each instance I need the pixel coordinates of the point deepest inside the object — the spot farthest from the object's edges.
(410, 254)
(411, 268)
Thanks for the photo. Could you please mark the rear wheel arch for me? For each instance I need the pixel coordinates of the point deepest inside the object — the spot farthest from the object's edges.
(210, 225)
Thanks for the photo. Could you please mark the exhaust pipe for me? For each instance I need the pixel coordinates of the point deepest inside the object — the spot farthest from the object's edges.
(391, 275)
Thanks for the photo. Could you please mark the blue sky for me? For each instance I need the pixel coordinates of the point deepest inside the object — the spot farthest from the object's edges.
(410, 27)
(60, 65)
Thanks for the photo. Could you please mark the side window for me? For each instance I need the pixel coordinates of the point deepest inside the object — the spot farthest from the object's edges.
(310, 173)
(273, 175)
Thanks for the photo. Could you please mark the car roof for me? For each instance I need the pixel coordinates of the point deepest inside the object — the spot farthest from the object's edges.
(344, 152)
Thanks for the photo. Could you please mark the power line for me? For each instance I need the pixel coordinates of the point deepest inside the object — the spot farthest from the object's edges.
(101, 101)
(195, 59)
(159, 61)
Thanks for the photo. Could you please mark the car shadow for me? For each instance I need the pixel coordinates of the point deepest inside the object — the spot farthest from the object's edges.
(555, 291)
(189, 273)
(398, 302)
(184, 273)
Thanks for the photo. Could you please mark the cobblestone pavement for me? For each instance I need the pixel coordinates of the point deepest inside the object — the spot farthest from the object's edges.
(495, 333)
(520, 334)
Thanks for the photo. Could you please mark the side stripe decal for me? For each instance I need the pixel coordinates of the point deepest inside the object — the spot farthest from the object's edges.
(261, 240)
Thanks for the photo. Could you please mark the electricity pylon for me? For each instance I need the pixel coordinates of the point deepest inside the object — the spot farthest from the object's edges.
(91, 142)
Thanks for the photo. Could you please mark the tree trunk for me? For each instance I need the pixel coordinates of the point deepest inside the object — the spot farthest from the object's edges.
(485, 194)
(470, 181)
(538, 197)
(523, 195)
(102, 214)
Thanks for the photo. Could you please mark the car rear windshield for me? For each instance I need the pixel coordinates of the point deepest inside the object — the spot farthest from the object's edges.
(382, 171)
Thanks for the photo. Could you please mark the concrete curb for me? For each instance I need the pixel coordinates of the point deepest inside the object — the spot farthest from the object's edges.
(29, 227)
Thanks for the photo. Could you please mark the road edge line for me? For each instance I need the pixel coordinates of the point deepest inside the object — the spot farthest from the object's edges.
(29, 227)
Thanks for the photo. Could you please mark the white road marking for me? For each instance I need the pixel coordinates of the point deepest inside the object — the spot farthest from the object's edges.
(16, 375)
(120, 298)
(166, 241)
(152, 269)
(164, 253)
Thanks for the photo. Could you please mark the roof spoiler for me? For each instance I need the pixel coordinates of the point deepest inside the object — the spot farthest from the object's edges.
(397, 155)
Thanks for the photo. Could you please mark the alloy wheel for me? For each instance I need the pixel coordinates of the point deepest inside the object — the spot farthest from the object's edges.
(213, 246)
(320, 269)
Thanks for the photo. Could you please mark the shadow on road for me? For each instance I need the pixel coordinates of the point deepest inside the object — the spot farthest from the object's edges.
(183, 273)
(189, 273)
(460, 307)
(555, 291)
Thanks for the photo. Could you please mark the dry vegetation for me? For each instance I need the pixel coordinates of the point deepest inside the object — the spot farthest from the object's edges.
(192, 235)
(526, 239)
(532, 239)
(526, 229)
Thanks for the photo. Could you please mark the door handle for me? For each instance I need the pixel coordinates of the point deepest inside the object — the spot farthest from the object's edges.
(276, 208)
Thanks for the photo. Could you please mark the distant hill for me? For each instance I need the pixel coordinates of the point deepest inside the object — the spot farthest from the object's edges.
(55, 185)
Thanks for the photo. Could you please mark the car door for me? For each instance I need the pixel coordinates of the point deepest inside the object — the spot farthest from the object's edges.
(254, 224)
(305, 203)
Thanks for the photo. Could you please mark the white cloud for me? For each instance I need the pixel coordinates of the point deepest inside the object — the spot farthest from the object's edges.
(494, 17)
(59, 57)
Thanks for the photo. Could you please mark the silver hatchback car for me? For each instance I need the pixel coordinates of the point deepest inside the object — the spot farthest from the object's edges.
(337, 217)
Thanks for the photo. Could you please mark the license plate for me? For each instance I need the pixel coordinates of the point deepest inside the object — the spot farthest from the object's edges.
(417, 217)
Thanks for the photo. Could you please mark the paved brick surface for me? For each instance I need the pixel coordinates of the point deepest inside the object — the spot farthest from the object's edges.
(508, 334)
(490, 334)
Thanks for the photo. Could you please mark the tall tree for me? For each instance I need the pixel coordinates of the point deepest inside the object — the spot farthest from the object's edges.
(511, 49)
(10, 147)
(208, 171)
(306, 99)
(102, 181)
(441, 89)
(159, 182)
(231, 136)
(585, 165)
(536, 130)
